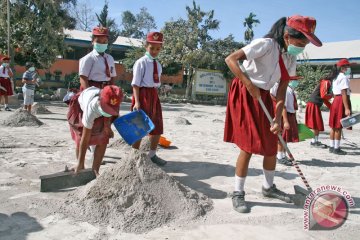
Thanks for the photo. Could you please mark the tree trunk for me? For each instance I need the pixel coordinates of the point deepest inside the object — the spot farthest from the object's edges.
(189, 84)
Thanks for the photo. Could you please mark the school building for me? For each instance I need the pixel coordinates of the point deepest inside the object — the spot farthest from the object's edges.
(332, 52)
(78, 44)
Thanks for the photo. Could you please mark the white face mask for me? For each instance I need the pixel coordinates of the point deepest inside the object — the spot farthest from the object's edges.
(104, 114)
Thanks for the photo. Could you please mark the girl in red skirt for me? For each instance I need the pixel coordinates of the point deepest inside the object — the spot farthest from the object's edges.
(321, 95)
(5, 82)
(90, 115)
(146, 80)
(290, 130)
(341, 106)
(266, 60)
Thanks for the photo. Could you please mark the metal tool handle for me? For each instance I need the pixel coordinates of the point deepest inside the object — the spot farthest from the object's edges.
(285, 146)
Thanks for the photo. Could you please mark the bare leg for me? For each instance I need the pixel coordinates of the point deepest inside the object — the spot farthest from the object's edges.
(280, 147)
(269, 163)
(98, 158)
(29, 108)
(332, 134)
(316, 132)
(337, 133)
(154, 141)
(242, 164)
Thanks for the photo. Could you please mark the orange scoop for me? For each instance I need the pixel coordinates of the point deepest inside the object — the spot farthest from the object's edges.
(164, 142)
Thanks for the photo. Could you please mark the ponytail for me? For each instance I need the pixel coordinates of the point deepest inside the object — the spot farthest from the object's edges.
(278, 29)
(277, 32)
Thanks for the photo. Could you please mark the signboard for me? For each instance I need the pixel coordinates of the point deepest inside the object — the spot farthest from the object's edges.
(209, 82)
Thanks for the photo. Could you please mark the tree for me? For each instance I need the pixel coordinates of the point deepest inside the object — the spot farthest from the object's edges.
(37, 30)
(136, 26)
(106, 21)
(311, 78)
(84, 15)
(185, 40)
(248, 23)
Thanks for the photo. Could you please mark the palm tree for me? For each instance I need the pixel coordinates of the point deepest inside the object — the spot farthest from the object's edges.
(248, 23)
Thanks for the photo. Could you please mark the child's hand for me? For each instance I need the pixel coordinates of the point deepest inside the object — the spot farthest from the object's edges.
(286, 125)
(33, 81)
(275, 128)
(136, 106)
(347, 112)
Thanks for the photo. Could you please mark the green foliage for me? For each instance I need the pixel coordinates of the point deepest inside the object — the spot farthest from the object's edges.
(36, 30)
(106, 21)
(311, 78)
(131, 56)
(72, 80)
(136, 26)
(248, 23)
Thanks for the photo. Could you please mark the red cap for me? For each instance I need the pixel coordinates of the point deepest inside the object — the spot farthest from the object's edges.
(100, 31)
(343, 62)
(154, 37)
(305, 25)
(5, 58)
(110, 99)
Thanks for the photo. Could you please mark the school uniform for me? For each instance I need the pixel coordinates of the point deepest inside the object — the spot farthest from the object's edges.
(321, 95)
(246, 124)
(337, 110)
(83, 112)
(99, 69)
(5, 82)
(292, 134)
(146, 75)
(29, 88)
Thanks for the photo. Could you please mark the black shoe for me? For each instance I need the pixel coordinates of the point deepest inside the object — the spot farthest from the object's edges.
(273, 192)
(338, 151)
(318, 145)
(158, 161)
(8, 109)
(331, 149)
(284, 161)
(238, 201)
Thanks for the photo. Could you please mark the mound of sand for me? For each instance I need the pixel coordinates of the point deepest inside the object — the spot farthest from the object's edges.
(38, 108)
(121, 145)
(21, 118)
(136, 196)
(181, 121)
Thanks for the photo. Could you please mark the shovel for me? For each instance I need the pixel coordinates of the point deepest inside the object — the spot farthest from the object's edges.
(300, 193)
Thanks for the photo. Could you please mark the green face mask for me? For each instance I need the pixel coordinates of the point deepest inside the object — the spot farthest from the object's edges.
(293, 84)
(104, 114)
(31, 69)
(5, 64)
(294, 50)
(149, 56)
(100, 48)
(348, 71)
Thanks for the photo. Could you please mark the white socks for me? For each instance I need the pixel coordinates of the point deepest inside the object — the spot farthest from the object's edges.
(152, 153)
(268, 178)
(6, 105)
(331, 143)
(336, 144)
(280, 155)
(239, 183)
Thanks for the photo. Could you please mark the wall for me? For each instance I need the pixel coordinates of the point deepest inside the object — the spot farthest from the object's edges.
(67, 66)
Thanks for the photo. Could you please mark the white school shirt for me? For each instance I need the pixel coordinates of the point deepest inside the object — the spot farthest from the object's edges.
(6, 74)
(289, 100)
(262, 62)
(93, 66)
(143, 73)
(340, 83)
(289, 97)
(89, 103)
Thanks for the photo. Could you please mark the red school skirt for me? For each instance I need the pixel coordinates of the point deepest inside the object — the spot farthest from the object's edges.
(150, 104)
(74, 117)
(292, 134)
(6, 83)
(246, 124)
(313, 117)
(337, 112)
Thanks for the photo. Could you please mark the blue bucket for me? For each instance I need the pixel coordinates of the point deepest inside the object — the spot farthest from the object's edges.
(134, 126)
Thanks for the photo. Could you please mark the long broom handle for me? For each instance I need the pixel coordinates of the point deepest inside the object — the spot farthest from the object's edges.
(285, 146)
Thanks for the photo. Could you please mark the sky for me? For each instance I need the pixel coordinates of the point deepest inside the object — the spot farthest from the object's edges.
(336, 20)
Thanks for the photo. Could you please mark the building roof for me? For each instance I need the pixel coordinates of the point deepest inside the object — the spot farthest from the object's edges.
(331, 52)
(86, 36)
